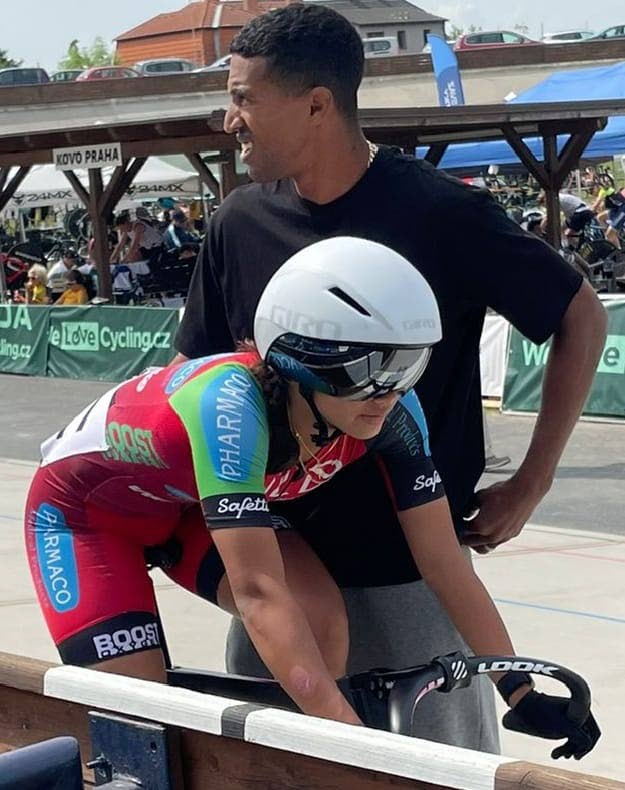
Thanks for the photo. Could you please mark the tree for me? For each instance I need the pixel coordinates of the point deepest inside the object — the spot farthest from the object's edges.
(455, 32)
(98, 54)
(522, 28)
(6, 62)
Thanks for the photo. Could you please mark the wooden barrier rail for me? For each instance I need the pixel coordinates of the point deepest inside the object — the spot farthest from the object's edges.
(222, 743)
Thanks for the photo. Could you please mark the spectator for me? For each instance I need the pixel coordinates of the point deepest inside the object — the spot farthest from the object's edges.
(57, 274)
(36, 285)
(139, 244)
(75, 293)
(89, 272)
(615, 219)
(178, 236)
(576, 212)
(314, 175)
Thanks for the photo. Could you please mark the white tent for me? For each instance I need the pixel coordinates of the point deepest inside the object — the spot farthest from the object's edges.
(46, 186)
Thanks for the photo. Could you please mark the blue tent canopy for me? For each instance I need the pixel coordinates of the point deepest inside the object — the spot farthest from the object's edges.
(601, 82)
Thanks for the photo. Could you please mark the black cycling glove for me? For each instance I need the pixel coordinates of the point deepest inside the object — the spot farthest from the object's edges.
(545, 716)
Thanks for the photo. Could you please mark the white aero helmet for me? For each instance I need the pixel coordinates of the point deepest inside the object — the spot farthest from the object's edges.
(348, 317)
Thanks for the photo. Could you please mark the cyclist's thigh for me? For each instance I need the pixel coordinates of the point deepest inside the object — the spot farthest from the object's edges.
(309, 581)
(92, 583)
(310, 584)
(198, 568)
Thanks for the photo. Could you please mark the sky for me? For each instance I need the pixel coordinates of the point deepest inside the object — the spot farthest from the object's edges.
(39, 32)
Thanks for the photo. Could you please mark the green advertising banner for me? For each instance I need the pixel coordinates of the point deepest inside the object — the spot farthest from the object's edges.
(108, 343)
(23, 339)
(526, 363)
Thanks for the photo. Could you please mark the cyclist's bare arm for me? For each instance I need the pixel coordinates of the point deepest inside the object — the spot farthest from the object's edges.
(434, 546)
(275, 622)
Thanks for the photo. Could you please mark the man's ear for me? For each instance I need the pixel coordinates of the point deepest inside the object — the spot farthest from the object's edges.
(321, 102)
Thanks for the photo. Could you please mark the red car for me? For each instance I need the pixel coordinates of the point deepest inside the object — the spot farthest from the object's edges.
(491, 38)
(106, 73)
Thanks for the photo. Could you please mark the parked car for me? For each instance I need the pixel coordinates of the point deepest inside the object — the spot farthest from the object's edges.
(567, 37)
(491, 38)
(380, 47)
(612, 32)
(221, 64)
(106, 73)
(156, 68)
(22, 76)
(67, 75)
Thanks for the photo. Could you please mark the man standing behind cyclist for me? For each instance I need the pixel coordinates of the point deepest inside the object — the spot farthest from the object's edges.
(293, 81)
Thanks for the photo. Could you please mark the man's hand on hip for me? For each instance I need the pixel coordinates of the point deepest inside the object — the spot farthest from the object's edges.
(504, 509)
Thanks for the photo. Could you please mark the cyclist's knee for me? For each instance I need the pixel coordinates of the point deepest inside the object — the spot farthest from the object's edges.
(147, 665)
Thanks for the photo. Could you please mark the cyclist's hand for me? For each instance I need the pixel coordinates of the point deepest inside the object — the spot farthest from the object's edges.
(504, 510)
(545, 716)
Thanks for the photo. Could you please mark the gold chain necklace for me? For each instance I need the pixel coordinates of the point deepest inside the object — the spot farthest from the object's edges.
(301, 443)
(373, 150)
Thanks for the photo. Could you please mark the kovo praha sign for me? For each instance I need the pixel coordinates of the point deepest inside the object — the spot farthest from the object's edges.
(88, 156)
(91, 336)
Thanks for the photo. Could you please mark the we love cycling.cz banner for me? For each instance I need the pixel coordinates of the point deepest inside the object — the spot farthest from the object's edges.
(109, 343)
(526, 364)
(101, 343)
(23, 339)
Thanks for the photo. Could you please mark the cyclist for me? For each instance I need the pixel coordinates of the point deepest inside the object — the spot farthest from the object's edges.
(343, 331)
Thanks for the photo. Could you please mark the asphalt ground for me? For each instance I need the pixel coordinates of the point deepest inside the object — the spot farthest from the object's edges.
(560, 586)
(588, 493)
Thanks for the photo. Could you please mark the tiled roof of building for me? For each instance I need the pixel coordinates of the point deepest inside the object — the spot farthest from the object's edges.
(366, 12)
(199, 15)
(204, 14)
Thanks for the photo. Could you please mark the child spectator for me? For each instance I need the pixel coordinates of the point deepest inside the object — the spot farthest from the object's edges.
(75, 293)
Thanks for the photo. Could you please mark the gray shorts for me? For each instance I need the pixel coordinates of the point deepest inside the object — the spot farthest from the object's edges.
(394, 627)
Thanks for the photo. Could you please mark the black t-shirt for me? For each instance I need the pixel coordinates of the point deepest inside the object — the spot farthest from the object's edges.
(472, 255)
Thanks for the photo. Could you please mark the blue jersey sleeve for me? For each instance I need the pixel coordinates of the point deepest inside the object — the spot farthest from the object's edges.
(404, 449)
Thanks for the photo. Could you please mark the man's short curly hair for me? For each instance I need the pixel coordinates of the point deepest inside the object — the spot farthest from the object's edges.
(306, 47)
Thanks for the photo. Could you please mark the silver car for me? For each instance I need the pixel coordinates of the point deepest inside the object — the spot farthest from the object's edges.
(157, 68)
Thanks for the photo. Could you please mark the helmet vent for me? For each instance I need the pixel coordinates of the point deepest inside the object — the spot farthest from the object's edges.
(340, 294)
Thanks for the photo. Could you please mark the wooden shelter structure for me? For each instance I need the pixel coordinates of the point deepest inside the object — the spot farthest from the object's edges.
(184, 114)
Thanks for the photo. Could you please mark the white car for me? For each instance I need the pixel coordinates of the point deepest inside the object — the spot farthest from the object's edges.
(567, 37)
(221, 64)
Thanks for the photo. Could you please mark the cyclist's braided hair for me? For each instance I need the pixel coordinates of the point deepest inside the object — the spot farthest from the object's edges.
(283, 448)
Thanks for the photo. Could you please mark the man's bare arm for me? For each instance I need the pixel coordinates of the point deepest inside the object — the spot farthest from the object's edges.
(575, 352)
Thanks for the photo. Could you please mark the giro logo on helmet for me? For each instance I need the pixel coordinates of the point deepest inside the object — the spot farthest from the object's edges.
(304, 324)
(419, 323)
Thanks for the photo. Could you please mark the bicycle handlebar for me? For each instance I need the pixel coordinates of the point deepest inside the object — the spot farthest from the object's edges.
(386, 699)
(406, 687)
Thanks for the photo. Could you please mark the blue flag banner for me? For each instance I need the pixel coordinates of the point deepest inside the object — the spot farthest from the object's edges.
(446, 72)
